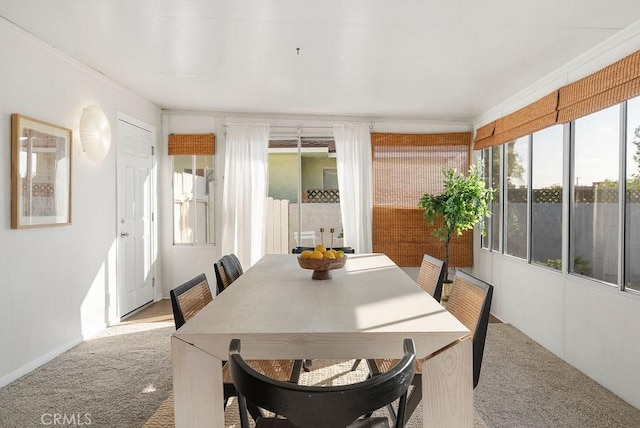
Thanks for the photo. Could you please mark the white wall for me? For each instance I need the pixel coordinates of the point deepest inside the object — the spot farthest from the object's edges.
(53, 279)
(591, 325)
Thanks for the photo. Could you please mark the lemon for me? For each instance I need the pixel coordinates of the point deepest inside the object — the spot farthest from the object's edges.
(306, 254)
(316, 255)
(329, 255)
(321, 248)
(339, 254)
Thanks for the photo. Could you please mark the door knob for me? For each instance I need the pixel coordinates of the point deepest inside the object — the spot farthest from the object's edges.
(124, 234)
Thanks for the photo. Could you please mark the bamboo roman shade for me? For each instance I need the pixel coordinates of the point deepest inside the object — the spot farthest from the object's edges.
(485, 136)
(191, 144)
(405, 166)
(534, 117)
(614, 84)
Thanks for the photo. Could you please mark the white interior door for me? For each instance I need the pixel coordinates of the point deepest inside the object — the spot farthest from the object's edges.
(135, 160)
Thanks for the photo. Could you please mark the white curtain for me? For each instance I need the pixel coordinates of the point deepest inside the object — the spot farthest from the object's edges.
(353, 158)
(245, 192)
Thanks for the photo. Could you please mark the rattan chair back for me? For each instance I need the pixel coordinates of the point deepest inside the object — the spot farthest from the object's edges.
(232, 267)
(189, 298)
(237, 263)
(470, 303)
(431, 276)
(222, 279)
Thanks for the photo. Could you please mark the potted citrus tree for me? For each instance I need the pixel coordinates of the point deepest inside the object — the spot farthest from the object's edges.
(463, 204)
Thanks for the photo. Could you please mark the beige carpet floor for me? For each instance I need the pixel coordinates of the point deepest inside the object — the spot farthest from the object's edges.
(122, 377)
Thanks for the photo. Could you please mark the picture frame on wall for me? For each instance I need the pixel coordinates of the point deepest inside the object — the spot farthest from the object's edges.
(40, 173)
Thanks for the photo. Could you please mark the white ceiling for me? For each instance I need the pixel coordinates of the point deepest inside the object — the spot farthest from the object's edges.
(422, 59)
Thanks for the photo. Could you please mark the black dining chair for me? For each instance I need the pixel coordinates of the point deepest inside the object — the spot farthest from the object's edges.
(322, 407)
(191, 297)
(232, 265)
(431, 276)
(470, 303)
(227, 270)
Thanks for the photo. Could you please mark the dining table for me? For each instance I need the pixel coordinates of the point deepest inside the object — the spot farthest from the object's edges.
(365, 310)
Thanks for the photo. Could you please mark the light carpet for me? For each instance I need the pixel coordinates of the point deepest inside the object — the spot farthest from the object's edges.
(123, 376)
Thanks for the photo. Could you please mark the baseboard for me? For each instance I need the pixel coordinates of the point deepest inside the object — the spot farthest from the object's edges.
(6, 380)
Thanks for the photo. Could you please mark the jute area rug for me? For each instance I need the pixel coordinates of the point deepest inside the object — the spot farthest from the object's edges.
(322, 373)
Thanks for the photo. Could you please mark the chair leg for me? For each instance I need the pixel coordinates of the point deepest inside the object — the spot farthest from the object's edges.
(297, 369)
(242, 408)
(355, 365)
(254, 410)
(414, 397)
(306, 365)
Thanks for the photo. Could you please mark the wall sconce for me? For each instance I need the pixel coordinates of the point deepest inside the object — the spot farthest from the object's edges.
(95, 133)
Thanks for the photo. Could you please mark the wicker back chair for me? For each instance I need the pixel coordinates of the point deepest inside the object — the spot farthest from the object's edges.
(227, 270)
(234, 259)
(318, 406)
(232, 266)
(189, 298)
(470, 303)
(222, 279)
(431, 276)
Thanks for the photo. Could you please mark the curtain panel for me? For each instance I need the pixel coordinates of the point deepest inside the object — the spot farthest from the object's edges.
(353, 162)
(405, 166)
(245, 192)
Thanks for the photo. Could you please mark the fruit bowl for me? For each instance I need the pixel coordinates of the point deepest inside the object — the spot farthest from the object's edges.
(322, 267)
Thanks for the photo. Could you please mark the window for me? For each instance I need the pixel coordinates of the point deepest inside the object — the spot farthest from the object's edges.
(330, 178)
(486, 169)
(516, 214)
(308, 180)
(496, 213)
(546, 203)
(593, 245)
(193, 185)
(632, 201)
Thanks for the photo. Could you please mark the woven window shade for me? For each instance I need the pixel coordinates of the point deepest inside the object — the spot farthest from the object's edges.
(484, 136)
(191, 144)
(613, 84)
(534, 117)
(405, 166)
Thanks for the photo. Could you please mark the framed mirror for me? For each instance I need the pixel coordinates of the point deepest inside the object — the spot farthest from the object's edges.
(40, 173)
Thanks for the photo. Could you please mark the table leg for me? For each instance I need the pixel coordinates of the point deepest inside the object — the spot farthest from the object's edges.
(197, 386)
(447, 387)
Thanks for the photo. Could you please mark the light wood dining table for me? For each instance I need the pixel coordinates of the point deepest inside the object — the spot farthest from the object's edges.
(365, 311)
